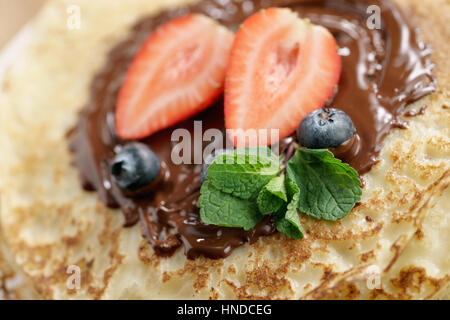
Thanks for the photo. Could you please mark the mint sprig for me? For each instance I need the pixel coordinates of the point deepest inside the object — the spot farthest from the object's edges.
(244, 185)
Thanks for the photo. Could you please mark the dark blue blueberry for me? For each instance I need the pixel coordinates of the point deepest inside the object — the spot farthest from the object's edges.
(325, 128)
(208, 160)
(135, 167)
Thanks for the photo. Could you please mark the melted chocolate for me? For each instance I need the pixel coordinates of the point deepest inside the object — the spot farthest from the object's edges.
(383, 70)
(415, 113)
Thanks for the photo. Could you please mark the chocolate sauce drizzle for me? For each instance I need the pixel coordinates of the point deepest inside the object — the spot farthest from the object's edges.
(383, 71)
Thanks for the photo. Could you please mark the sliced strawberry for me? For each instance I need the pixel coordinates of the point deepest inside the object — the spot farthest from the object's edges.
(179, 71)
(281, 68)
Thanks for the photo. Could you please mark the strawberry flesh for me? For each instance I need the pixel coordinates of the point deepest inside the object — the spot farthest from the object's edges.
(179, 71)
(281, 68)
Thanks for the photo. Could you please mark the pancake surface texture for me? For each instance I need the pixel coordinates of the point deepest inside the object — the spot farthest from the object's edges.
(394, 245)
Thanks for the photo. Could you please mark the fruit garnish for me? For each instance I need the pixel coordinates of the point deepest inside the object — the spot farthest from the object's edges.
(135, 167)
(179, 71)
(325, 128)
(281, 68)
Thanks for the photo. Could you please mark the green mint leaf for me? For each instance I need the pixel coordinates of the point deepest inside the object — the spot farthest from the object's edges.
(243, 172)
(277, 188)
(222, 209)
(272, 196)
(287, 221)
(292, 188)
(329, 189)
(290, 228)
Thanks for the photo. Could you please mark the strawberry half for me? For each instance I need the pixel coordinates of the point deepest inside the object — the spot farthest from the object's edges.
(179, 71)
(281, 68)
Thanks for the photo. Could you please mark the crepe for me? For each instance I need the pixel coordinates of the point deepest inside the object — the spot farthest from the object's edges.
(394, 245)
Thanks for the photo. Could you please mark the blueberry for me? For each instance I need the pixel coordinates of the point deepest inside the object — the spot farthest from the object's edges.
(135, 167)
(325, 128)
(208, 160)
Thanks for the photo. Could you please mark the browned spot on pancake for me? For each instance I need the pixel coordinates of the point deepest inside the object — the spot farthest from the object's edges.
(320, 232)
(213, 294)
(201, 281)
(165, 276)
(147, 255)
(411, 277)
(7, 293)
(263, 279)
(328, 274)
(336, 286)
(349, 291)
(241, 293)
(72, 241)
(415, 278)
(419, 234)
(232, 269)
(366, 256)
(200, 269)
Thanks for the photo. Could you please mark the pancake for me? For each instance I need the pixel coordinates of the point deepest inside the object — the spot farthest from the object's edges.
(13, 283)
(400, 230)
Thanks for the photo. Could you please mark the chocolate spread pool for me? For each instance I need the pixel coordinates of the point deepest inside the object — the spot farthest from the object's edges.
(382, 71)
